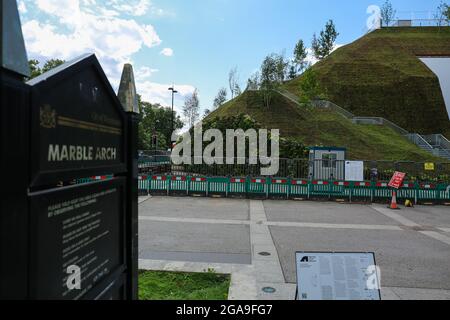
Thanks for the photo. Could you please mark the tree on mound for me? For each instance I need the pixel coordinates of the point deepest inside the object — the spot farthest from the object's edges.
(310, 88)
(273, 74)
(324, 45)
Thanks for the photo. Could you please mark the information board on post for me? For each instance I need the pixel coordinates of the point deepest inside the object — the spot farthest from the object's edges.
(397, 180)
(77, 227)
(337, 276)
(354, 171)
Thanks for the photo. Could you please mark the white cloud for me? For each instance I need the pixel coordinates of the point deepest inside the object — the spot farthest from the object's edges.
(82, 27)
(22, 7)
(144, 73)
(168, 52)
(312, 59)
(159, 93)
(132, 7)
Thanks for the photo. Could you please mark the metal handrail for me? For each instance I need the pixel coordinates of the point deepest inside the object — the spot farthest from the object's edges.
(420, 141)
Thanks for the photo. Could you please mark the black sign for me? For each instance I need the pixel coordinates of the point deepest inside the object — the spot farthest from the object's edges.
(77, 123)
(78, 228)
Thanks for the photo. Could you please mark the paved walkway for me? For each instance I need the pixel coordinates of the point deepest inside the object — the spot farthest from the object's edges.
(270, 267)
(247, 281)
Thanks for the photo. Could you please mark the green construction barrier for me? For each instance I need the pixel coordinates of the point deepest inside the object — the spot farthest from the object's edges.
(143, 185)
(361, 190)
(428, 192)
(444, 192)
(382, 190)
(320, 189)
(340, 189)
(289, 188)
(279, 187)
(238, 186)
(159, 183)
(178, 184)
(218, 185)
(408, 191)
(84, 180)
(299, 188)
(198, 185)
(258, 187)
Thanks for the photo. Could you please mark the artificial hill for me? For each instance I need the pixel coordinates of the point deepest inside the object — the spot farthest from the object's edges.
(323, 127)
(380, 75)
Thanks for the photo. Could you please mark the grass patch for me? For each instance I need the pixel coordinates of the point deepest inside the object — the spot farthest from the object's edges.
(161, 285)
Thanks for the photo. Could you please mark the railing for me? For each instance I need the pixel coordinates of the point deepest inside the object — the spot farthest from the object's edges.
(420, 141)
(444, 144)
(306, 169)
(438, 140)
(380, 121)
(324, 104)
(416, 23)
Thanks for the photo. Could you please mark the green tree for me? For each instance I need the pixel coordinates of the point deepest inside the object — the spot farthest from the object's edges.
(291, 148)
(273, 73)
(324, 45)
(221, 98)
(51, 64)
(443, 13)
(233, 82)
(292, 71)
(156, 121)
(387, 13)
(253, 82)
(300, 55)
(191, 108)
(315, 46)
(36, 71)
(310, 88)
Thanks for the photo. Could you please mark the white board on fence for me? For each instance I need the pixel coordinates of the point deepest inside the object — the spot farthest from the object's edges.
(337, 276)
(354, 171)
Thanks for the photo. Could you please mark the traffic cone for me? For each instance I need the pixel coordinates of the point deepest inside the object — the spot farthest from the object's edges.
(394, 205)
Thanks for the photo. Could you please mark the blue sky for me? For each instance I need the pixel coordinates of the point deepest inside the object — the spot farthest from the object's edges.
(192, 43)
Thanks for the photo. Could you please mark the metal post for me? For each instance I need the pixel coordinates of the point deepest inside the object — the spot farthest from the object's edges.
(14, 160)
(173, 120)
(128, 97)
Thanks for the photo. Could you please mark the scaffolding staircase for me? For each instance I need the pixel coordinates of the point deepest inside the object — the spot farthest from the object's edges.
(436, 144)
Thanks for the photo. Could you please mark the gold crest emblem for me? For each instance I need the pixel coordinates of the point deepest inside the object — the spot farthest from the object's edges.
(48, 117)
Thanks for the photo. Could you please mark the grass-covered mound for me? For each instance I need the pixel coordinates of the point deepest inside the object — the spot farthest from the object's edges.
(380, 75)
(323, 127)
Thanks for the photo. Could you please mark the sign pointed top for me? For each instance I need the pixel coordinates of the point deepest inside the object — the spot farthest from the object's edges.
(13, 55)
(127, 90)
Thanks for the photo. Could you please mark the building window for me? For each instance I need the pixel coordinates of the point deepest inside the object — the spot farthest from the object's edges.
(329, 160)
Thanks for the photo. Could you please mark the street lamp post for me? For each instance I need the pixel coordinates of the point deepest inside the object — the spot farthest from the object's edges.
(173, 94)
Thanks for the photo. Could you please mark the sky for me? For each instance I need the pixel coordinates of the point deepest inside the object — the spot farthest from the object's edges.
(190, 43)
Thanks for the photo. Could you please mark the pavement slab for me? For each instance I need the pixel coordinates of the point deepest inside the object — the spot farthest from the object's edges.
(406, 258)
(324, 212)
(201, 208)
